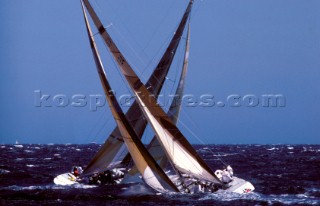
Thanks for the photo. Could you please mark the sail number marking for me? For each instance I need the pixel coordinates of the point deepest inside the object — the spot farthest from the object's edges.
(120, 59)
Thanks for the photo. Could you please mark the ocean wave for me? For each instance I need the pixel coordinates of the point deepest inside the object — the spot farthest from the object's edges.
(137, 190)
(225, 155)
(2, 172)
(47, 187)
(32, 165)
(287, 199)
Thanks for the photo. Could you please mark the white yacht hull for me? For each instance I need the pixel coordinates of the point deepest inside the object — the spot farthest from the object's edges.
(240, 186)
(65, 179)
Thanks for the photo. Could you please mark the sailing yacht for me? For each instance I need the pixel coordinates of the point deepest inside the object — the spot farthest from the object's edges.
(169, 145)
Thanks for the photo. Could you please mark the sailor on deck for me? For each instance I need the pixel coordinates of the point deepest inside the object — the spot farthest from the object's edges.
(75, 171)
(227, 175)
(80, 169)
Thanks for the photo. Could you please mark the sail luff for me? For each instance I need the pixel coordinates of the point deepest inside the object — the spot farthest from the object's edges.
(152, 174)
(168, 134)
(175, 107)
(113, 152)
(154, 147)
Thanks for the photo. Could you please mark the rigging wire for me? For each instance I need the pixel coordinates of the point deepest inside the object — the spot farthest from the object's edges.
(157, 28)
(217, 155)
(202, 142)
(102, 127)
(146, 65)
(94, 127)
(139, 57)
(141, 72)
(129, 46)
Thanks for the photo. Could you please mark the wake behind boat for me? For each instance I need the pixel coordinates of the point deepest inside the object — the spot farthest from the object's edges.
(123, 158)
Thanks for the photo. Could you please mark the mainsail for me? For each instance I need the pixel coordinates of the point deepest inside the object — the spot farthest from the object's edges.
(114, 150)
(152, 174)
(154, 147)
(180, 152)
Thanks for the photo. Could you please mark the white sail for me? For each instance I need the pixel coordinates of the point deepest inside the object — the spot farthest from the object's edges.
(113, 152)
(151, 173)
(178, 149)
(154, 147)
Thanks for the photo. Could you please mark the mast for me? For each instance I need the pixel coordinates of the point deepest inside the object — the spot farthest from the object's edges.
(152, 174)
(154, 147)
(114, 152)
(178, 149)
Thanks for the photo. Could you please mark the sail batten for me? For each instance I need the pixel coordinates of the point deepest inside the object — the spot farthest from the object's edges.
(152, 174)
(179, 150)
(109, 154)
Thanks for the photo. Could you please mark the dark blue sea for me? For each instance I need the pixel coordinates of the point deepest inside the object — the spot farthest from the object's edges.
(281, 174)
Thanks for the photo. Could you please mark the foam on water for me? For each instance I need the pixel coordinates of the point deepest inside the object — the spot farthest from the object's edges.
(136, 190)
(31, 165)
(271, 199)
(271, 168)
(225, 155)
(4, 171)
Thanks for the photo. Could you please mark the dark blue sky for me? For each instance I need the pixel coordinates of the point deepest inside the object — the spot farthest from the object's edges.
(237, 47)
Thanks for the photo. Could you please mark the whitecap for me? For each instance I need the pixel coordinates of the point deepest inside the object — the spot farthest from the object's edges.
(56, 155)
(82, 186)
(290, 147)
(271, 199)
(37, 147)
(78, 149)
(48, 158)
(3, 146)
(2, 172)
(28, 151)
(270, 149)
(226, 154)
(31, 165)
(18, 145)
(32, 187)
(136, 190)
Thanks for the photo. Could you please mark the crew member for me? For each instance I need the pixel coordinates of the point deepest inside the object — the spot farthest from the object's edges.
(227, 175)
(75, 172)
